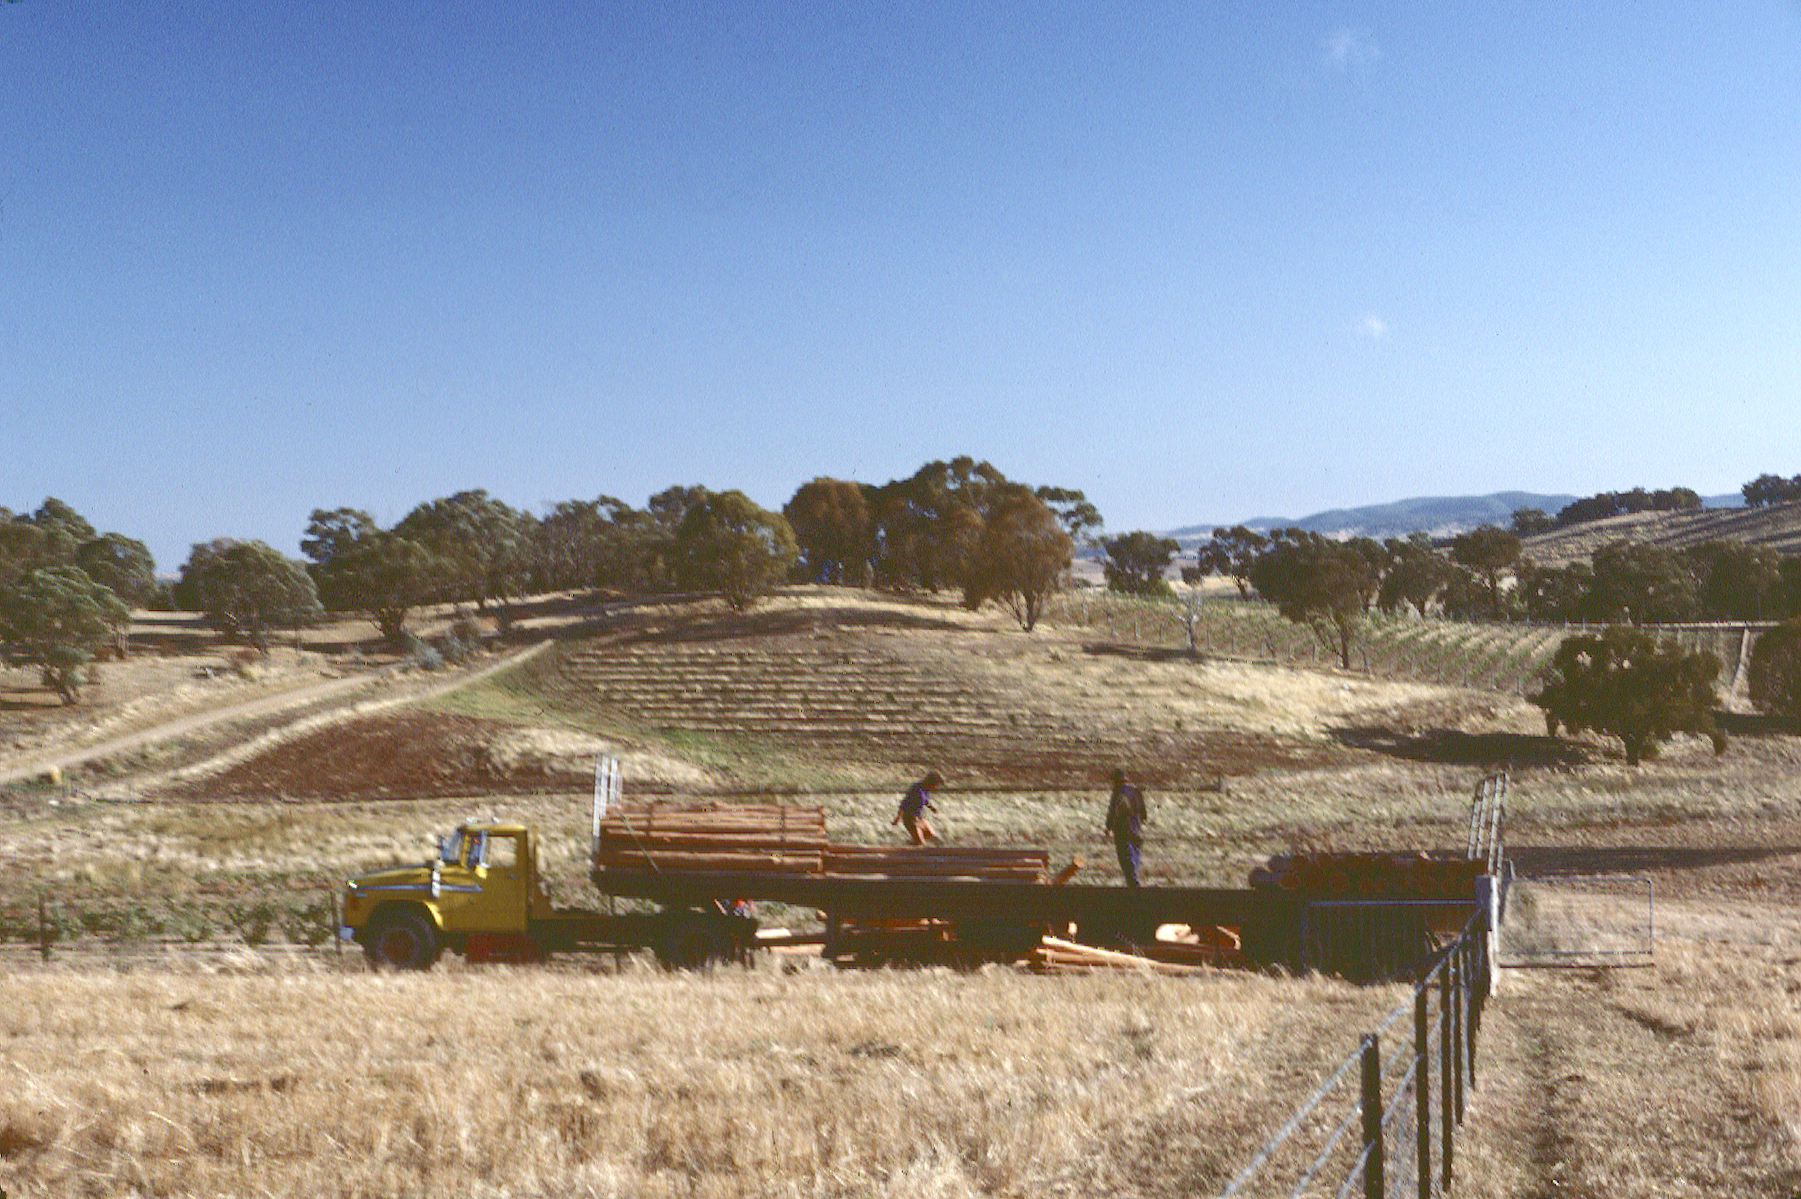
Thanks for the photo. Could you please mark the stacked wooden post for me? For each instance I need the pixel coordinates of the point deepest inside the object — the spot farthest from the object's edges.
(727, 838)
(938, 862)
(1369, 876)
(740, 838)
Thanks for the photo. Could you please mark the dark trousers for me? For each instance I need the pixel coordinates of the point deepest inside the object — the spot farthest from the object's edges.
(1128, 859)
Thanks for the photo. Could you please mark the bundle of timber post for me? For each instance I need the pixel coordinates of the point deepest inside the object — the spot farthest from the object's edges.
(936, 861)
(725, 838)
(1055, 952)
(744, 838)
(1177, 949)
(1369, 876)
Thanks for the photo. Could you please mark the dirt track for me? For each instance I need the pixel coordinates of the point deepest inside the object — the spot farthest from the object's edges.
(325, 702)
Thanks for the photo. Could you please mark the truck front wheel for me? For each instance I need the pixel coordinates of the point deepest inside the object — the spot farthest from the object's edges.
(402, 940)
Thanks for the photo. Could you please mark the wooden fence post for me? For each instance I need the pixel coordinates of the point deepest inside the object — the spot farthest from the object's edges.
(43, 928)
(1372, 1118)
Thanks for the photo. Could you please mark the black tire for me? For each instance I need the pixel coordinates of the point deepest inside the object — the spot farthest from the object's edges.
(692, 941)
(979, 942)
(403, 940)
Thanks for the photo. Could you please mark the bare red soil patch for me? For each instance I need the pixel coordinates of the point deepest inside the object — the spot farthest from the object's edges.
(399, 755)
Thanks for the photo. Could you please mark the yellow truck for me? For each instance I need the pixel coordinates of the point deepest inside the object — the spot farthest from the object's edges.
(484, 897)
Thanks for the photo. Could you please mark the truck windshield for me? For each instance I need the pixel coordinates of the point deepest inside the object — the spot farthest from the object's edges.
(450, 848)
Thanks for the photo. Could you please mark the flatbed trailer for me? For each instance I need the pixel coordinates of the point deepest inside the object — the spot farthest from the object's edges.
(484, 896)
(986, 918)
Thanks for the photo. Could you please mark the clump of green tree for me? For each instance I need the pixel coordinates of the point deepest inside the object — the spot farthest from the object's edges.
(1231, 552)
(56, 618)
(1023, 556)
(1623, 683)
(1604, 504)
(1138, 563)
(482, 547)
(726, 543)
(1528, 522)
(1645, 584)
(66, 593)
(247, 590)
(957, 524)
(1765, 490)
(1488, 555)
(1325, 584)
(834, 530)
(358, 567)
(1774, 679)
(1414, 574)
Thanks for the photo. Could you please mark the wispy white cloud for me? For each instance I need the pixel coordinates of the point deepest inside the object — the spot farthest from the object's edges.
(1373, 327)
(1348, 49)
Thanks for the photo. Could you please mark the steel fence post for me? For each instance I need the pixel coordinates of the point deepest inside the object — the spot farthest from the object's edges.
(1447, 1067)
(1459, 987)
(1372, 1117)
(1422, 1090)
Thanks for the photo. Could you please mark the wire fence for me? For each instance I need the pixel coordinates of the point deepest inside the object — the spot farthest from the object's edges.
(1504, 654)
(1385, 1122)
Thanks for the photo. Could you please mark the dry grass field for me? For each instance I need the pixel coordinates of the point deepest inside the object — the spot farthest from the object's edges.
(740, 1083)
(141, 1068)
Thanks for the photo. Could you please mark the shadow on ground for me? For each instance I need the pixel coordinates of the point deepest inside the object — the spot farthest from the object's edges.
(1755, 724)
(1454, 747)
(1549, 861)
(789, 622)
(1136, 653)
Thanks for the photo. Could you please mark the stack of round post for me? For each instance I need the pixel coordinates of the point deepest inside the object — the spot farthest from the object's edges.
(1369, 875)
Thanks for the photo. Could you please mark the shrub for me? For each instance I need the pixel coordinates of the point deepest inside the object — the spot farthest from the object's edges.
(1775, 676)
(1626, 685)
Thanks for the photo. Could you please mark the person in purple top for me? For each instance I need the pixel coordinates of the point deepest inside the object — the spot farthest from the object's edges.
(1126, 817)
(915, 804)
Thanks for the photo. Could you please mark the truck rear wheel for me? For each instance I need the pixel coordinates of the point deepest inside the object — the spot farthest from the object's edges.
(692, 941)
(403, 940)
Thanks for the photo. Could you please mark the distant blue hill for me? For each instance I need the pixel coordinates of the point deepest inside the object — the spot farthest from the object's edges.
(1438, 516)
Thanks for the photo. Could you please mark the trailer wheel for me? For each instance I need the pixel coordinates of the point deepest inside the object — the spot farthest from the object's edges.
(403, 940)
(692, 941)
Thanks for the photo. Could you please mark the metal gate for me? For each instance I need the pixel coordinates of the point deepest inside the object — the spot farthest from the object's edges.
(1382, 940)
(1578, 920)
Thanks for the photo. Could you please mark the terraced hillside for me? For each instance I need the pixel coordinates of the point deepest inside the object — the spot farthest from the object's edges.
(828, 689)
(960, 698)
(1777, 526)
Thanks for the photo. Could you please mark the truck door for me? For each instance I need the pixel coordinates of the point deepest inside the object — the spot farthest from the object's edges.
(498, 868)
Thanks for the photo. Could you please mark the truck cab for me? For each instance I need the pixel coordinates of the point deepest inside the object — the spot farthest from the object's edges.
(482, 895)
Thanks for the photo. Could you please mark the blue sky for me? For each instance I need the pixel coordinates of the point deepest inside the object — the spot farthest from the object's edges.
(1204, 261)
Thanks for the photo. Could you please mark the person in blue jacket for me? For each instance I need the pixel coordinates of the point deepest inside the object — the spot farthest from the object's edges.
(915, 804)
(1126, 819)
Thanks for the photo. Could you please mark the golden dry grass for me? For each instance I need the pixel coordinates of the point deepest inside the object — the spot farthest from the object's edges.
(537, 1082)
(1682, 1081)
